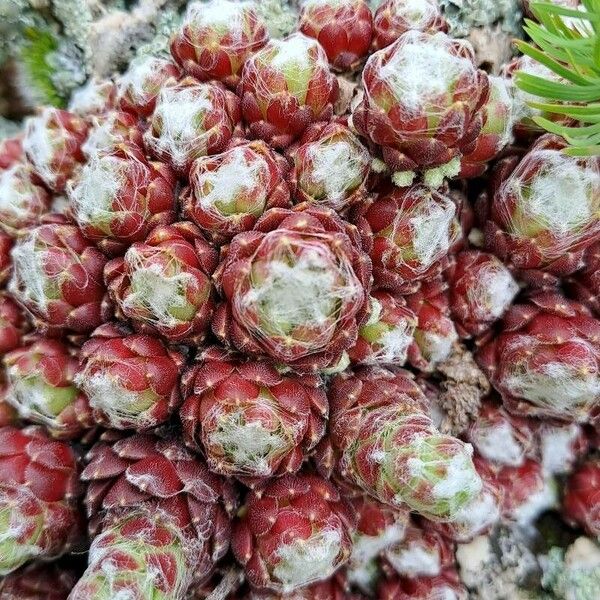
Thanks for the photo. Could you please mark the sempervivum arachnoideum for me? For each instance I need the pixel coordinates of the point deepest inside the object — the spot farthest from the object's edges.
(421, 552)
(581, 501)
(159, 519)
(292, 532)
(109, 130)
(131, 380)
(52, 144)
(216, 38)
(228, 192)
(39, 489)
(413, 230)
(296, 288)
(496, 133)
(378, 527)
(330, 167)
(422, 123)
(343, 27)
(447, 585)
(139, 86)
(251, 421)
(386, 336)
(23, 200)
(285, 87)
(57, 277)
(481, 290)
(395, 17)
(525, 491)
(41, 386)
(585, 284)
(546, 360)
(435, 334)
(530, 225)
(190, 120)
(12, 324)
(385, 443)
(163, 284)
(96, 97)
(118, 197)
(502, 438)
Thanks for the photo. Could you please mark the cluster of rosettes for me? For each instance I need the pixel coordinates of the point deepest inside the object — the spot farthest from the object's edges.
(244, 318)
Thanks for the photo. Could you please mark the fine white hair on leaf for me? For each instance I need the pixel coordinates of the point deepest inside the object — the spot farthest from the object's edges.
(304, 285)
(29, 279)
(222, 17)
(237, 175)
(338, 167)
(497, 443)
(154, 290)
(16, 192)
(179, 119)
(418, 13)
(90, 98)
(250, 446)
(436, 347)
(568, 386)
(303, 561)
(492, 291)
(415, 54)
(414, 559)
(39, 145)
(557, 445)
(136, 81)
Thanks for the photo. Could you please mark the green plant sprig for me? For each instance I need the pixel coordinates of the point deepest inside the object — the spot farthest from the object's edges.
(567, 42)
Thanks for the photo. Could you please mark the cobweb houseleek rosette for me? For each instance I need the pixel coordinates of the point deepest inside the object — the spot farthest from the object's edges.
(216, 38)
(39, 489)
(293, 532)
(566, 41)
(159, 519)
(251, 421)
(385, 443)
(295, 287)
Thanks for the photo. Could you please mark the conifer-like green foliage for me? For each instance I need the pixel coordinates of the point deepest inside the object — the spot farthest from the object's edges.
(567, 41)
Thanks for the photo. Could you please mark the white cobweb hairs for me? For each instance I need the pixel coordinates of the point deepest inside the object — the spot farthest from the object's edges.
(153, 290)
(299, 288)
(415, 54)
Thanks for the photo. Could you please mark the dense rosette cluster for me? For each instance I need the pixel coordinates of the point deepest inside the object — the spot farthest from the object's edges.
(546, 362)
(343, 27)
(162, 285)
(228, 192)
(330, 167)
(39, 486)
(285, 87)
(413, 230)
(251, 421)
(216, 39)
(296, 288)
(389, 447)
(57, 276)
(422, 123)
(294, 531)
(131, 380)
(191, 120)
(160, 519)
(119, 196)
(52, 144)
(531, 225)
(395, 17)
(111, 129)
(41, 386)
